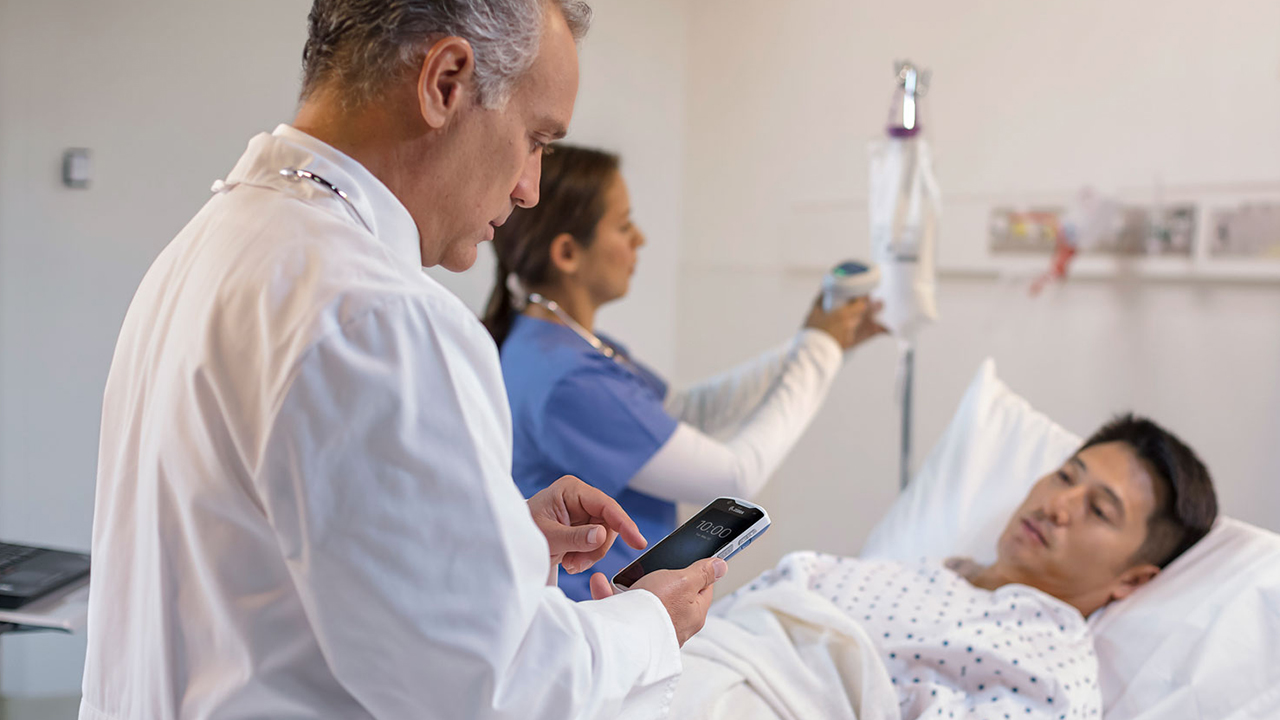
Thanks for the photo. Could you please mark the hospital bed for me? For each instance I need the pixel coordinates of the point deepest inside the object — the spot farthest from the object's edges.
(1202, 640)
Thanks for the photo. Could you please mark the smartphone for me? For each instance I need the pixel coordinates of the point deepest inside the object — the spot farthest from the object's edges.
(721, 529)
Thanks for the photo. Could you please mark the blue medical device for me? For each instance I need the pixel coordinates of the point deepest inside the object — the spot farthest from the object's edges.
(847, 281)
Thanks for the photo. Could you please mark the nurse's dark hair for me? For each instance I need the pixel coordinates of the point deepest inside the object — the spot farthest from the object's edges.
(1186, 504)
(358, 47)
(571, 200)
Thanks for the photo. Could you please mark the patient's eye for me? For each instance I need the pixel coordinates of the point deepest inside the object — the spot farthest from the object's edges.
(1064, 477)
(1097, 510)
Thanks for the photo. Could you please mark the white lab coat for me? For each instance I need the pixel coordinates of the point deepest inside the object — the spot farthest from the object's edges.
(304, 503)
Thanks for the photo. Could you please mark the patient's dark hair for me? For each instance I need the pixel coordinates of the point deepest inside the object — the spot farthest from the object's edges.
(1186, 505)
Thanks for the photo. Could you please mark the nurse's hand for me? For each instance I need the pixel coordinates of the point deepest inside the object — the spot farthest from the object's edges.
(580, 523)
(686, 594)
(850, 324)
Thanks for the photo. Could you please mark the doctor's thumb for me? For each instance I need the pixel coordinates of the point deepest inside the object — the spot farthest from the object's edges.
(712, 570)
(583, 538)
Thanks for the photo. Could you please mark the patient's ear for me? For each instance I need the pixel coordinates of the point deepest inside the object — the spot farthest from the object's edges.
(1132, 579)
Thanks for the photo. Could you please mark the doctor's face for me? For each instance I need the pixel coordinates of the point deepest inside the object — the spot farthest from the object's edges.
(1079, 528)
(501, 149)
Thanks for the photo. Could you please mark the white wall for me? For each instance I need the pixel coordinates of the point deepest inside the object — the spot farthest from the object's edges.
(1028, 100)
(166, 95)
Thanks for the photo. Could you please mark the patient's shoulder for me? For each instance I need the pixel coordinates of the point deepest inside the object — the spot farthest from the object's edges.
(965, 567)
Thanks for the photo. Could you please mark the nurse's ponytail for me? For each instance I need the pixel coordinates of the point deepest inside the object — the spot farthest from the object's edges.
(500, 313)
(571, 200)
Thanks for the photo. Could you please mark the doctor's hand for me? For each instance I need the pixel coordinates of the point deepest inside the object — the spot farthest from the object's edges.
(686, 594)
(580, 523)
(850, 324)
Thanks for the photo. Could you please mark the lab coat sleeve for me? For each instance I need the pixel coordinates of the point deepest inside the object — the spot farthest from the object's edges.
(694, 467)
(723, 401)
(386, 478)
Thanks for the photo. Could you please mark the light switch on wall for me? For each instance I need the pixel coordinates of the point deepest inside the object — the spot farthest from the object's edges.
(77, 170)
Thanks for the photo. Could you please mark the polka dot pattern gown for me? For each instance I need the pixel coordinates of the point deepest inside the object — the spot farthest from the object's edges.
(954, 650)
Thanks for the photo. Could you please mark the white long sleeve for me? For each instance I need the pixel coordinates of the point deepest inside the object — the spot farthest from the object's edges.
(723, 401)
(775, 396)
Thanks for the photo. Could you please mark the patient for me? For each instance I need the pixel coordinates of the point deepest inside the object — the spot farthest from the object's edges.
(960, 639)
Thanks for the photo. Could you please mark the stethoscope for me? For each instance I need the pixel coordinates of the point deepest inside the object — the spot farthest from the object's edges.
(296, 174)
(601, 346)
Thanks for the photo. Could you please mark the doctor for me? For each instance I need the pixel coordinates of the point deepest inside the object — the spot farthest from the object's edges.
(304, 500)
(582, 405)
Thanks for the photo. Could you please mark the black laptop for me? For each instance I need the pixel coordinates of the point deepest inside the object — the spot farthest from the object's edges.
(29, 573)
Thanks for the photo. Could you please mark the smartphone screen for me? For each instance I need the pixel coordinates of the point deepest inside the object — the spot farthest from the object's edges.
(705, 534)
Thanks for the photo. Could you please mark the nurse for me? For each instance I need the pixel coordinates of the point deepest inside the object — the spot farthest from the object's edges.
(582, 405)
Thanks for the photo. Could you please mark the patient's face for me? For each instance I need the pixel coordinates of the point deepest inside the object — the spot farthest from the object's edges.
(1076, 534)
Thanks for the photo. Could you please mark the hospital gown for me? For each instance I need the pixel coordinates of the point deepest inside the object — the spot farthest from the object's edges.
(954, 650)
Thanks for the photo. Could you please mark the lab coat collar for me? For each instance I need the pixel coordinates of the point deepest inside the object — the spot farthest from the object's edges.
(288, 147)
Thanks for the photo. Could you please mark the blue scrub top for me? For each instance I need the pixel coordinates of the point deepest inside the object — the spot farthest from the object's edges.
(576, 412)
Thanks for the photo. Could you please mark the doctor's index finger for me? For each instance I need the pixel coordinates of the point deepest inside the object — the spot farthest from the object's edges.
(617, 519)
(599, 505)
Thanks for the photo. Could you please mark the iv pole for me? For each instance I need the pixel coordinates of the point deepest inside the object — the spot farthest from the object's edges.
(908, 371)
(903, 244)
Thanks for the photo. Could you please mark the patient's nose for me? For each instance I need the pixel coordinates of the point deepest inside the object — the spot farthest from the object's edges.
(1053, 513)
(1059, 506)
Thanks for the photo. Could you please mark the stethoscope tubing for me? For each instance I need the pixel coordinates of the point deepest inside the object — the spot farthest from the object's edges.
(296, 174)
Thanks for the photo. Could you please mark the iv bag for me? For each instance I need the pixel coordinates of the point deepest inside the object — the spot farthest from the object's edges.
(904, 209)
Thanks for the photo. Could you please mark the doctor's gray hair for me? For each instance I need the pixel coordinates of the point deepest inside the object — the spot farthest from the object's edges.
(360, 46)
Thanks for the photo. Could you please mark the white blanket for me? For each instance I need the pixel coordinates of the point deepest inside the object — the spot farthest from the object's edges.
(783, 652)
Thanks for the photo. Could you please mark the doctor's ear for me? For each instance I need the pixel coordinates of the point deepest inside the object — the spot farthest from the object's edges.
(566, 254)
(446, 80)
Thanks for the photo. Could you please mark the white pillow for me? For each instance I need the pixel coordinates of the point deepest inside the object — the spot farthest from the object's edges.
(977, 474)
(1202, 640)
